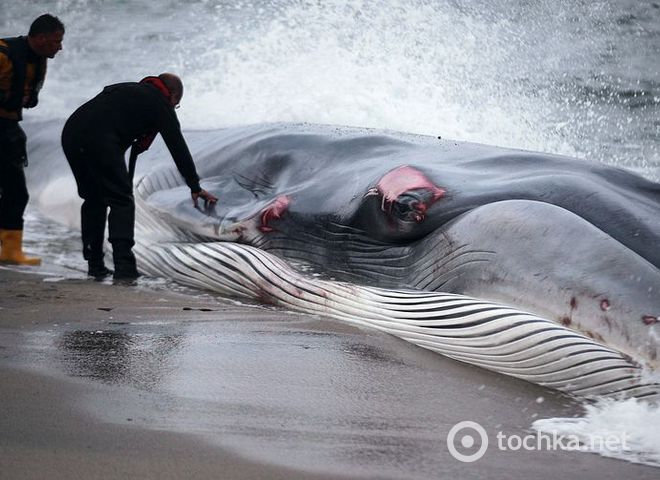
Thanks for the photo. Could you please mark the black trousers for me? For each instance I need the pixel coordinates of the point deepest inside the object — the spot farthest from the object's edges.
(13, 190)
(104, 185)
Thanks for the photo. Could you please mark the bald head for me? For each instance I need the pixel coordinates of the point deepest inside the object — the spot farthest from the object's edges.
(174, 85)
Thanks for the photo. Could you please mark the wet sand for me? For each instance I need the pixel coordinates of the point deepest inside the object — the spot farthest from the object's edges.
(103, 381)
(43, 433)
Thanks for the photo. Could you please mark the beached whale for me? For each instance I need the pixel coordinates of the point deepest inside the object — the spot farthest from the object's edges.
(538, 266)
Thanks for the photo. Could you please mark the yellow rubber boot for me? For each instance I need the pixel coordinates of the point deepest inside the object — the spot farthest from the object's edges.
(12, 249)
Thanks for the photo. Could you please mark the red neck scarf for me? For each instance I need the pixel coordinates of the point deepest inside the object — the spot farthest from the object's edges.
(158, 83)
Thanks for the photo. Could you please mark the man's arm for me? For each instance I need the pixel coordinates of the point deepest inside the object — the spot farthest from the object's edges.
(37, 76)
(170, 130)
(5, 76)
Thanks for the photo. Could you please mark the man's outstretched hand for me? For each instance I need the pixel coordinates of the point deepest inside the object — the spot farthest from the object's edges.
(209, 199)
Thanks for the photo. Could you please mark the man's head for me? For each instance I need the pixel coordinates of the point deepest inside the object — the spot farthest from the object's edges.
(45, 36)
(174, 85)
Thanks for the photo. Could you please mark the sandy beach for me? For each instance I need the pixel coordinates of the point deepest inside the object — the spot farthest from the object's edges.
(107, 381)
(44, 435)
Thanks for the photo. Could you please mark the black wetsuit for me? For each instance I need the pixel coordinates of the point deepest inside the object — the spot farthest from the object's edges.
(95, 139)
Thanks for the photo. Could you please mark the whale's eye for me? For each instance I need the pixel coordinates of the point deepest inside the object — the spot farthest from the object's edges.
(404, 196)
(411, 206)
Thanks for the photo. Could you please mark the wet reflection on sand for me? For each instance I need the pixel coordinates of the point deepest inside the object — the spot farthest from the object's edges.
(291, 390)
(111, 356)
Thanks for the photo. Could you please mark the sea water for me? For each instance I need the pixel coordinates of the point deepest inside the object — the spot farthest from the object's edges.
(576, 77)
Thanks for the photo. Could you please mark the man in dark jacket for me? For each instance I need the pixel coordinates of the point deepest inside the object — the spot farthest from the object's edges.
(22, 73)
(95, 139)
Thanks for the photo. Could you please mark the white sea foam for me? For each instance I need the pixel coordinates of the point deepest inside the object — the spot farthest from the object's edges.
(634, 421)
(564, 77)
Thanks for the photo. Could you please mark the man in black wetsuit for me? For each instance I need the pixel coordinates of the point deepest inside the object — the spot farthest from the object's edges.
(95, 139)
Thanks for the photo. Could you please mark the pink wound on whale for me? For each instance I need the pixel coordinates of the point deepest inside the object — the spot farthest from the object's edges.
(273, 211)
(649, 319)
(605, 305)
(404, 179)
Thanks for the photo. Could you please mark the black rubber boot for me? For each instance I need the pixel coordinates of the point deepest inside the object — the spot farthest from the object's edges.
(125, 265)
(97, 269)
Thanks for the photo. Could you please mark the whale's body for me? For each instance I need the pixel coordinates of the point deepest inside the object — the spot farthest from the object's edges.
(573, 245)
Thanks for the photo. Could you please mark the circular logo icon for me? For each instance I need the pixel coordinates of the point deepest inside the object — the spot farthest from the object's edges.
(465, 431)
